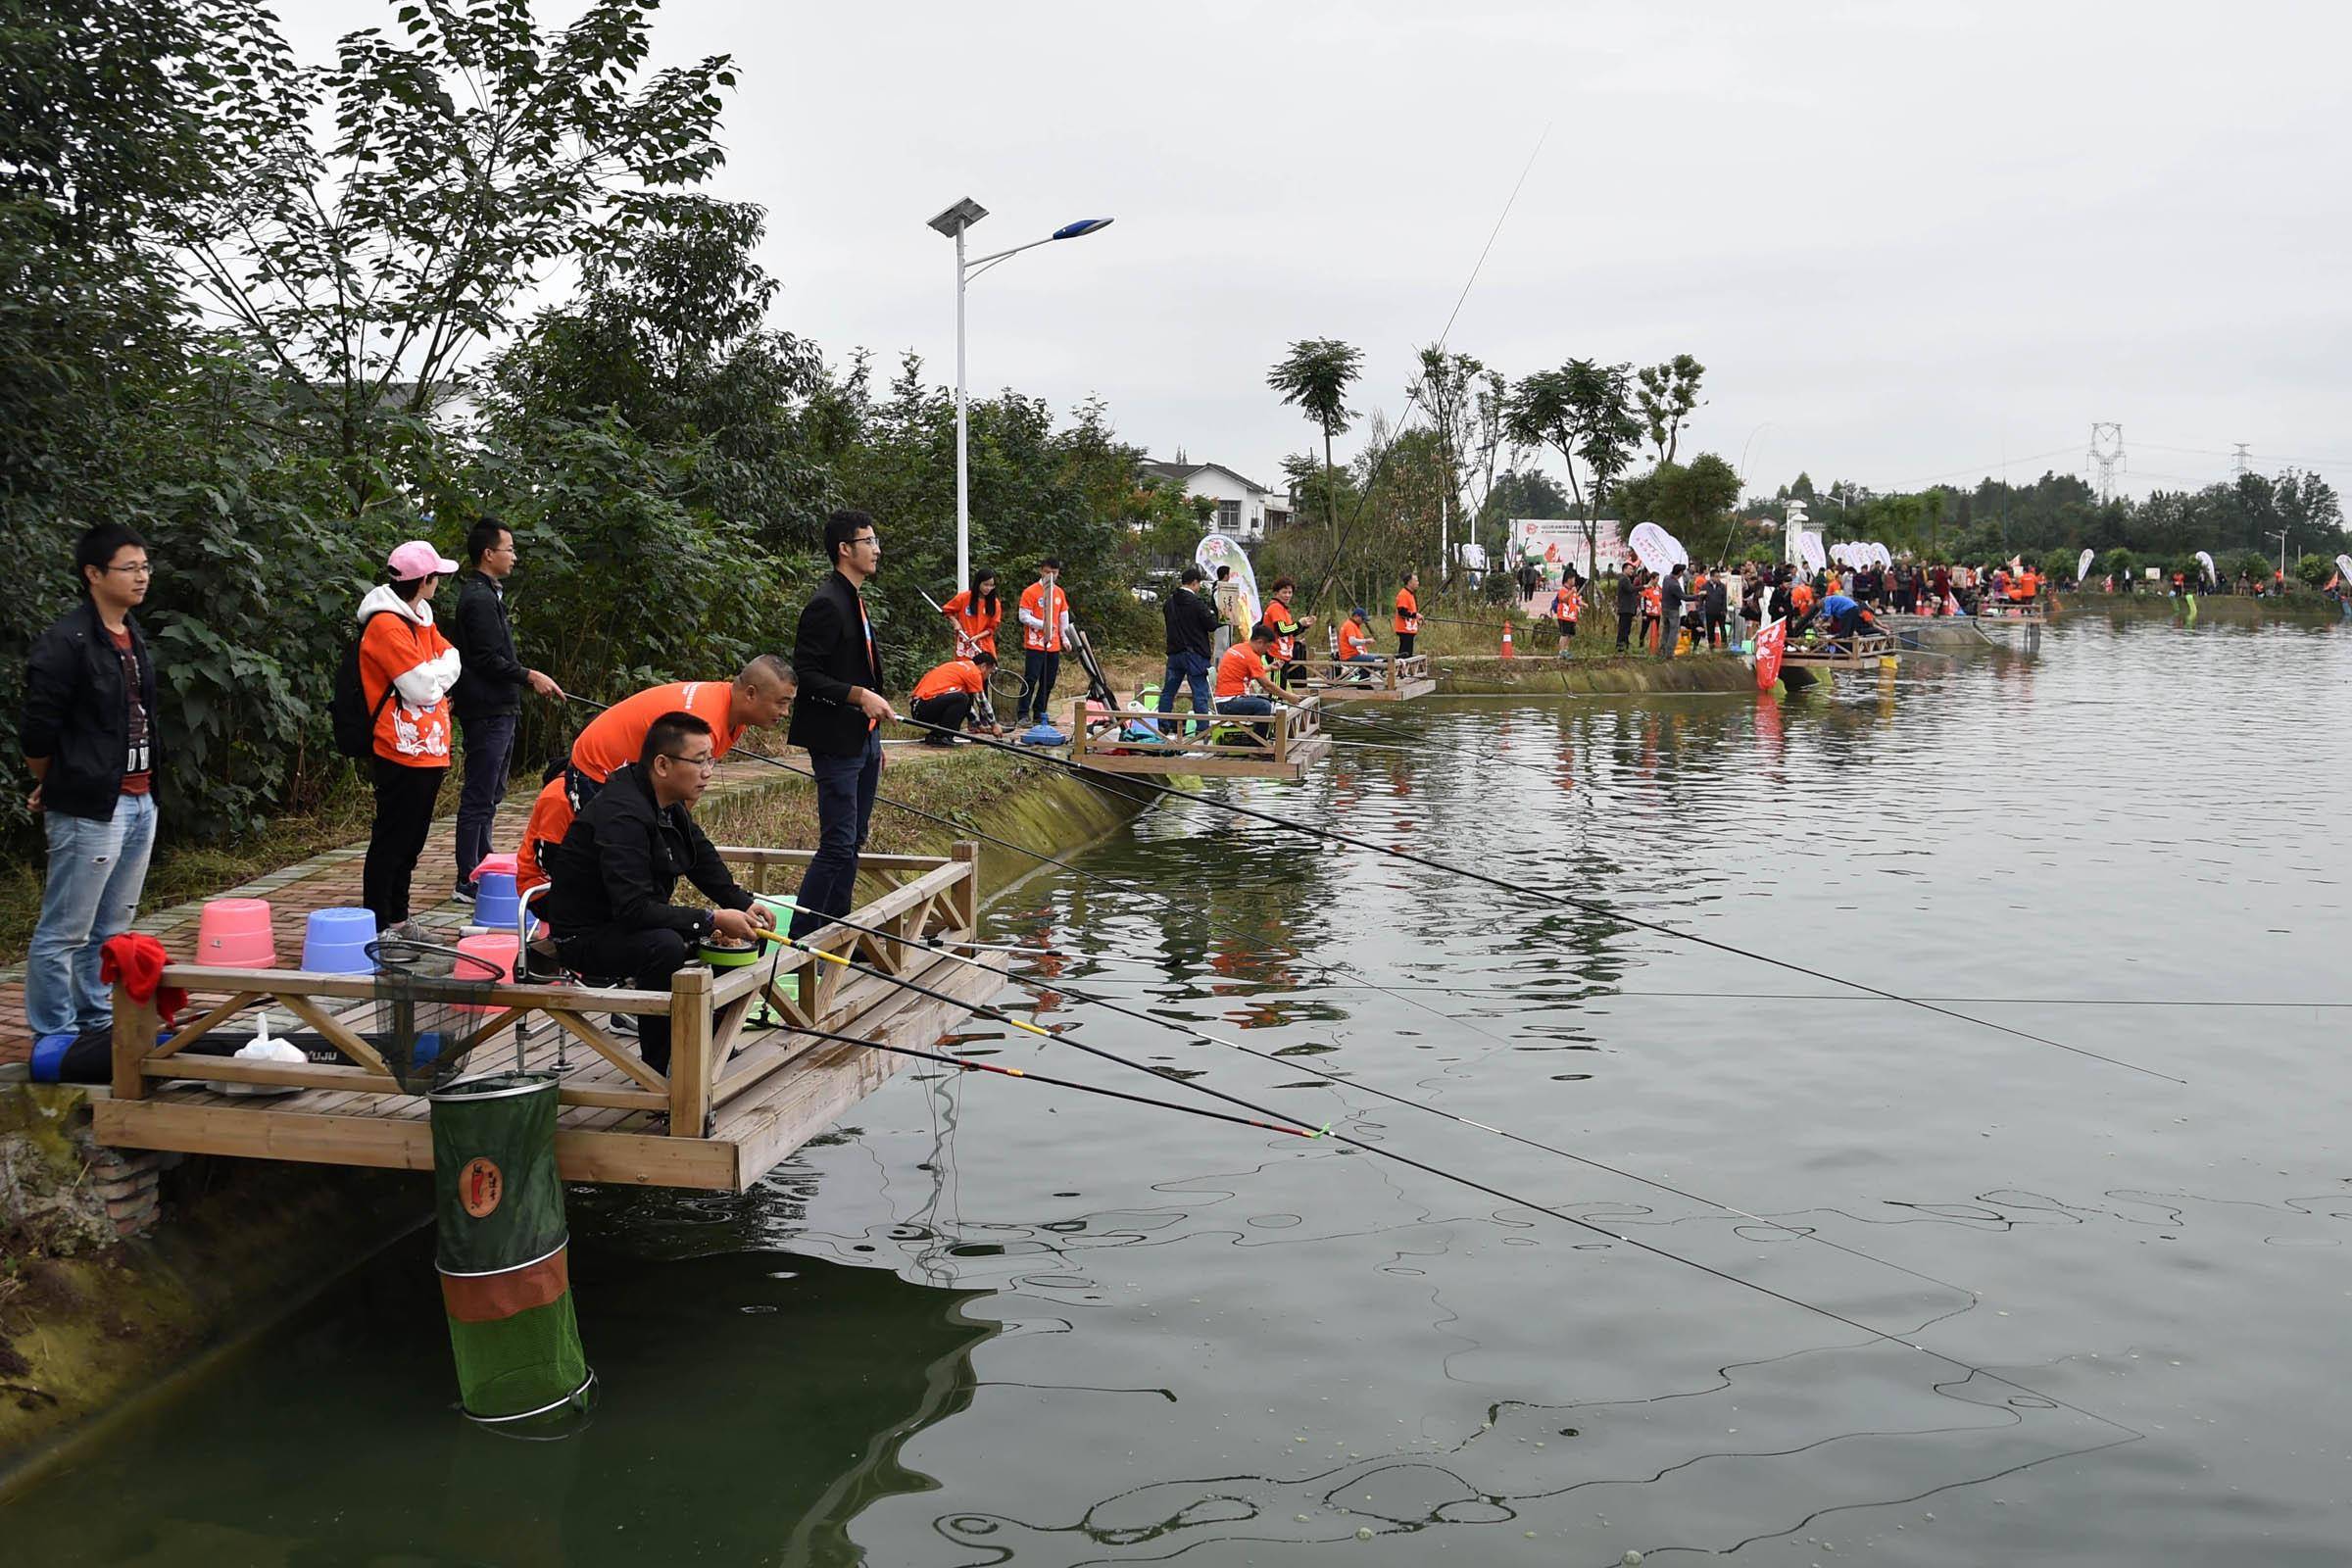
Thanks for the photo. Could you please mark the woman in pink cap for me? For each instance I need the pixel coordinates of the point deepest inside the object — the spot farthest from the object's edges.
(407, 668)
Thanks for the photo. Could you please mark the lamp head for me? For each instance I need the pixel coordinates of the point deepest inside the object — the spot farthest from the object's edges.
(1084, 225)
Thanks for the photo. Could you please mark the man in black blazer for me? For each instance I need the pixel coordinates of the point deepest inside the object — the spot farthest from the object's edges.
(839, 715)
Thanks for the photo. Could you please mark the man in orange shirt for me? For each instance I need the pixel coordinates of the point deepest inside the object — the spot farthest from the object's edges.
(1243, 667)
(945, 697)
(1407, 624)
(1045, 632)
(756, 699)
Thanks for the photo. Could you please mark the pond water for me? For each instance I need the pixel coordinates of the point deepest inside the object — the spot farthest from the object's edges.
(992, 1322)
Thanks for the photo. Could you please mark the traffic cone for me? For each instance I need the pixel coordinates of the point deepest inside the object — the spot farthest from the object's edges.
(1508, 652)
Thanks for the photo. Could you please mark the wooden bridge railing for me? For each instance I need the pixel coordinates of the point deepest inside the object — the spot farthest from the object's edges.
(1099, 733)
(707, 1011)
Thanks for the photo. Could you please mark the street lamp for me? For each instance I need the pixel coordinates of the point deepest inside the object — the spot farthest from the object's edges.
(952, 222)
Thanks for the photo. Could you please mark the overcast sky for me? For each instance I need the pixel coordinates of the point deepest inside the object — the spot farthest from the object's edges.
(1907, 240)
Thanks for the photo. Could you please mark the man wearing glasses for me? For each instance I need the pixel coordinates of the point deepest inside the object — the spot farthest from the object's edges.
(619, 863)
(88, 732)
(840, 716)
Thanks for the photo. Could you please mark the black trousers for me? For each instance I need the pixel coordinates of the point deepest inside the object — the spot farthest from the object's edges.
(1037, 671)
(404, 816)
(1625, 629)
(1717, 620)
(1404, 644)
(646, 958)
(948, 710)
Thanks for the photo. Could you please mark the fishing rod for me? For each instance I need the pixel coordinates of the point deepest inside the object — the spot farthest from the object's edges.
(1872, 1331)
(996, 1014)
(1337, 1080)
(964, 1064)
(1117, 885)
(1546, 896)
(1379, 1151)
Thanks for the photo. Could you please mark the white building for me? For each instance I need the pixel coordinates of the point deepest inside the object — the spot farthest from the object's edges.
(1246, 508)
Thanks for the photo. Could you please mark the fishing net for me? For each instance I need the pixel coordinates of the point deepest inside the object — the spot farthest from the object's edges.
(429, 999)
(503, 1251)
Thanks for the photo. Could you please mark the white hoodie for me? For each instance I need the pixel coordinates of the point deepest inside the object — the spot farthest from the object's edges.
(428, 683)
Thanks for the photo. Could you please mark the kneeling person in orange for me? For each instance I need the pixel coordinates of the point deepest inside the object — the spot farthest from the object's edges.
(550, 819)
(619, 864)
(944, 695)
(756, 699)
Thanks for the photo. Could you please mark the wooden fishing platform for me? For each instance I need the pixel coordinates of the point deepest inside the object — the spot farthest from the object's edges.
(1279, 744)
(1392, 681)
(738, 1098)
(1995, 614)
(1852, 651)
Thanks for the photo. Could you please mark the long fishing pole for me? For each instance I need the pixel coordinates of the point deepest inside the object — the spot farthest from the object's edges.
(1472, 1182)
(1337, 1080)
(1097, 878)
(965, 1065)
(996, 1014)
(1875, 1333)
(1548, 896)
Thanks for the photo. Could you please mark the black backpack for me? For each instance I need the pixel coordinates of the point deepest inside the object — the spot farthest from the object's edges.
(353, 719)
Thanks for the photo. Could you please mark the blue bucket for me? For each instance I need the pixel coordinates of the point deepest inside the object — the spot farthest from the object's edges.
(495, 906)
(48, 1054)
(335, 941)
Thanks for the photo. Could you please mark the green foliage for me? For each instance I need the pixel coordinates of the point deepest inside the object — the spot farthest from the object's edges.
(1667, 394)
(1315, 375)
(1683, 501)
(1583, 411)
(2312, 571)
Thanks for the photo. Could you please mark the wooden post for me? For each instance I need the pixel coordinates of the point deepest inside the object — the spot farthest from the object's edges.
(689, 1051)
(1282, 730)
(965, 904)
(135, 1024)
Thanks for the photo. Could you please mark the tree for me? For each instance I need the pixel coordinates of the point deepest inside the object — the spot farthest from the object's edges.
(1464, 400)
(470, 156)
(1686, 501)
(1667, 394)
(1582, 412)
(1315, 375)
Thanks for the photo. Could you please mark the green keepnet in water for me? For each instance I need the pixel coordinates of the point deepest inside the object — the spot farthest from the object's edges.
(506, 1283)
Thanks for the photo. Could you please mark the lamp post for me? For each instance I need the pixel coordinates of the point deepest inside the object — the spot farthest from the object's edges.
(952, 222)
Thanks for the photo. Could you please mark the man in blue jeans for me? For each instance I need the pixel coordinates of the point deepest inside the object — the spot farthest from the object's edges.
(489, 698)
(839, 716)
(1192, 627)
(88, 732)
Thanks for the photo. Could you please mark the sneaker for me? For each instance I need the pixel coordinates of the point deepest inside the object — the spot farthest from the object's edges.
(464, 893)
(624, 1024)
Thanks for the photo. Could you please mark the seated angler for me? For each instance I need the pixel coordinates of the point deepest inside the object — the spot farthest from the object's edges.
(1355, 639)
(1243, 668)
(944, 698)
(621, 861)
(1839, 616)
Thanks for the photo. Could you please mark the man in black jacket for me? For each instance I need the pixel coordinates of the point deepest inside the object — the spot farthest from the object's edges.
(1192, 627)
(621, 861)
(839, 716)
(1629, 604)
(489, 693)
(1671, 594)
(88, 732)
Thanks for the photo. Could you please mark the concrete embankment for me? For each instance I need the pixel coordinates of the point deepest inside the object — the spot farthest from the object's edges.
(122, 1269)
(1540, 677)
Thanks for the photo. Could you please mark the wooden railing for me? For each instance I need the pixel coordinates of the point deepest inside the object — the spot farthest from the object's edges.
(1387, 675)
(707, 1011)
(1099, 734)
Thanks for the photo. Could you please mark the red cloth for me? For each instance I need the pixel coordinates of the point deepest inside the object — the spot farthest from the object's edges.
(137, 959)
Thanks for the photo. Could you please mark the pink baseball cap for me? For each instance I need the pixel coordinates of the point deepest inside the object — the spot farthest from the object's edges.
(416, 558)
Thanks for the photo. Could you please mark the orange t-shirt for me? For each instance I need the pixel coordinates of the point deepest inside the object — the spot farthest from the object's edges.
(1052, 608)
(1654, 601)
(391, 644)
(1408, 611)
(1240, 666)
(955, 675)
(976, 626)
(1353, 638)
(615, 736)
(550, 820)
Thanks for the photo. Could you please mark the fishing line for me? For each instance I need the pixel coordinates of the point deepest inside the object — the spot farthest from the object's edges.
(1524, 891)
(1338, 1080)
(1300, 1129)
(1562, 1215)
(964, 1064)
(1114, 884)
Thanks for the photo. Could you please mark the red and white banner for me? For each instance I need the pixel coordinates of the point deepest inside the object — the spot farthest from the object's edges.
(1771, 643)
